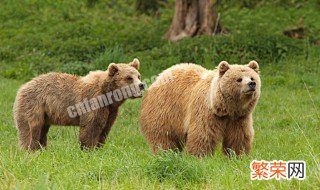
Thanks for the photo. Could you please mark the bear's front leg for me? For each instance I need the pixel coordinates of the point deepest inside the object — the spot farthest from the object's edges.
(238, 136)
(104, 134)
(199, 141)
(91, 126)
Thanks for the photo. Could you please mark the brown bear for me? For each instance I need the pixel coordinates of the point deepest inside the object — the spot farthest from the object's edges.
(90, 102)
(195, 108)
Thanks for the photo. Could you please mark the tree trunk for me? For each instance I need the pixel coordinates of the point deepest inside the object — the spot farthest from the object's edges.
(192, 18)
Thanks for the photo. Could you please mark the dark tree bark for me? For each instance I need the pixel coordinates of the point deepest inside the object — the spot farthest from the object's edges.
(192, 18)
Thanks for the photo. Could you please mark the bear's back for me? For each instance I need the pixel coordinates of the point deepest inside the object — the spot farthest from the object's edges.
(48, 83)
(49, 92)
(95, 77)
(189, 72)
(171, 92)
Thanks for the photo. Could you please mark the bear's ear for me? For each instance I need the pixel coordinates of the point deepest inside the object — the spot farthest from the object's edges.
(223, 67)
(113, 69)
(254, 65)
(135, 63)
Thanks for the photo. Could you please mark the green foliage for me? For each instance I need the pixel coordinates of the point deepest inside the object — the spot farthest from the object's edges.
(71, 36)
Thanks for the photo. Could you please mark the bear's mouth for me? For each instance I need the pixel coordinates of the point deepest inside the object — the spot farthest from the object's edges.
(250, 91)
(137, 94)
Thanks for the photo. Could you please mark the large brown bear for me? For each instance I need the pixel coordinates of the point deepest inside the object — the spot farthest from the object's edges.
(90, 102)
(193, 108)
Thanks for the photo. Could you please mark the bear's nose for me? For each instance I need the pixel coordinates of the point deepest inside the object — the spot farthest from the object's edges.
(252, 84)
(141, 86)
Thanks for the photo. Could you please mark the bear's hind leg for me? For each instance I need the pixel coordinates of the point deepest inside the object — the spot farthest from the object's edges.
(44, 132)
(23, 133)
(36, 127)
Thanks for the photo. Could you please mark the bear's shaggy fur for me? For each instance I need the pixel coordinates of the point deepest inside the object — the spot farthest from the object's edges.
(197, 108)
(45, 101)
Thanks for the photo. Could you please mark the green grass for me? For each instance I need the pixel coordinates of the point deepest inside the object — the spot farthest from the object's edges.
(41, 36)
(286, 124)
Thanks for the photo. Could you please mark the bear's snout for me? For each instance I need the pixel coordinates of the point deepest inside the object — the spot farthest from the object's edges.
(141, 86)
(252, 85)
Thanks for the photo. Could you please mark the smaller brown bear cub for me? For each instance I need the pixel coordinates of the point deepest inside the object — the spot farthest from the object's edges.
(90, 102)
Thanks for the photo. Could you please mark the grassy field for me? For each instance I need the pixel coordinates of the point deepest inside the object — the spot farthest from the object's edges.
(41, 36)
(287, 123)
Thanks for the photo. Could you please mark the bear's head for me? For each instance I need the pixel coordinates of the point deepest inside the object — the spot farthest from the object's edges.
(238, 86)
(126, 78)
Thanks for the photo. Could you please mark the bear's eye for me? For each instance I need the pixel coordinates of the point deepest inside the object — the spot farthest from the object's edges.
(139, 77)
(128, 78)
(252, 78)
(239, 79)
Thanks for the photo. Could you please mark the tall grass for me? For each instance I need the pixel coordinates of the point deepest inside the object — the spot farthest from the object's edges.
(69, 36)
